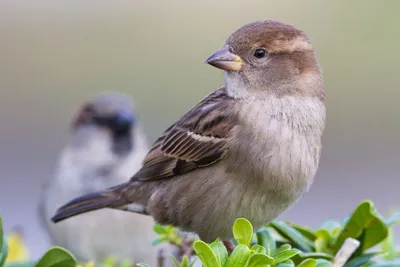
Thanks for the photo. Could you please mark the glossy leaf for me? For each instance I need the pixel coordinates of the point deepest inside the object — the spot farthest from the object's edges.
(3, 245)
(311, 255)
(4, 251)
(259, 260)
(287, 263)
(143, 265)
(293, 235)
(323, 263)
(220, 252)
(388, 246)
(364, 225)
(56, 257)
(239, 256)
(205, 254)
(185, 261)
(333, 227)
(265, 239)
(243, 231)
(258, 249)
(322, 240)
(308, 263)
(387, 264)
(285, 255)
(307, 232)
(282, 248)
(19, 264)
(360, 260)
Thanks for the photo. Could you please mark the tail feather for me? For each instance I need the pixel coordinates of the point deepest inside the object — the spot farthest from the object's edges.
(110, 198)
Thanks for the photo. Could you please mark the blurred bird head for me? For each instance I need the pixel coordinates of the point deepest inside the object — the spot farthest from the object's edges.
(268, 56)
(109, 118)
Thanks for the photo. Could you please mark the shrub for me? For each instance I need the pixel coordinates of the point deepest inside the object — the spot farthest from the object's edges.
(364, 239)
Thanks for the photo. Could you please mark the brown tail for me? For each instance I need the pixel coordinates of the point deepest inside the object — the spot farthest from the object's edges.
(109, 198)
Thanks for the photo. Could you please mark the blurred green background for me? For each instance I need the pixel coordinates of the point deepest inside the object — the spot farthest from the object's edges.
(56, 54)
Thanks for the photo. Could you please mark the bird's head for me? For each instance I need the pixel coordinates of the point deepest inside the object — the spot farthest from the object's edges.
(108, 118)
(267, 57)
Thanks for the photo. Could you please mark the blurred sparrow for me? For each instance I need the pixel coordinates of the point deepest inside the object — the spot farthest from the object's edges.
(106, 144)
(249, 149)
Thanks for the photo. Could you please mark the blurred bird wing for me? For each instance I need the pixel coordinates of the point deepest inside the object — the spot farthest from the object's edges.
(198, 139)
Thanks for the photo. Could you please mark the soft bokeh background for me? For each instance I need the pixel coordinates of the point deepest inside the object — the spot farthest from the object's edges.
(56, 54)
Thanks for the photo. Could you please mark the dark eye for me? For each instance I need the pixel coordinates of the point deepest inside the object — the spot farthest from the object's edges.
(260, 53)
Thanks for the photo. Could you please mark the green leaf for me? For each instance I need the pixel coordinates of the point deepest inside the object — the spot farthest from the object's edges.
(110, 261)
(386, 264)
(364, 225)
(322, 240)
(220, 252)
(185, 261)
(239, 256)
(360, 260)
(4, 251)
(333, 227)
(159, 229)
(285, 255)
(323, 263)
(265, 239)
(287, 263)
(388, 246)
(282, 248)
(259, 260)
(3, 245)
(145, 265)
(20, 264)
(258, 249)
(243, 231)
(394, 219)
(312, 255)
(126, 263)
(56, 257)
(175, 261)
(293, 235)
(205, 254)
(307, 232)
(308, 263)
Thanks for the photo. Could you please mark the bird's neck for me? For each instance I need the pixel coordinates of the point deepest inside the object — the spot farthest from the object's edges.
(306, 85)
(235, 86)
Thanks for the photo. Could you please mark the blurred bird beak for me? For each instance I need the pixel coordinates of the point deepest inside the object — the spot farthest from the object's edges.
(225, 60)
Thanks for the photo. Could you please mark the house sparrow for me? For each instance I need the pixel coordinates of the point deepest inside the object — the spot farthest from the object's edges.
(249, 149)
(106, 144)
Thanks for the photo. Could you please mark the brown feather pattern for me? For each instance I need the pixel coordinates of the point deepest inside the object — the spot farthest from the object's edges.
(198, 139)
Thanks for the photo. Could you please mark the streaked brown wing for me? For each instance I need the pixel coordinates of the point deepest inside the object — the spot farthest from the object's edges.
(197, 140)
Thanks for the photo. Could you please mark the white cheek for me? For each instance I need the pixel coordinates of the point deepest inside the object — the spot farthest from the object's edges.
(235, 86)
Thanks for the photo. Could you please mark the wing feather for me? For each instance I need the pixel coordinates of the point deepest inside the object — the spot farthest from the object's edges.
(198, 139)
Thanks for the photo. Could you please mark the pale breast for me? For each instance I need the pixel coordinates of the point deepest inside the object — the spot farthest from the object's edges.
(272, 160)
(282, 144)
